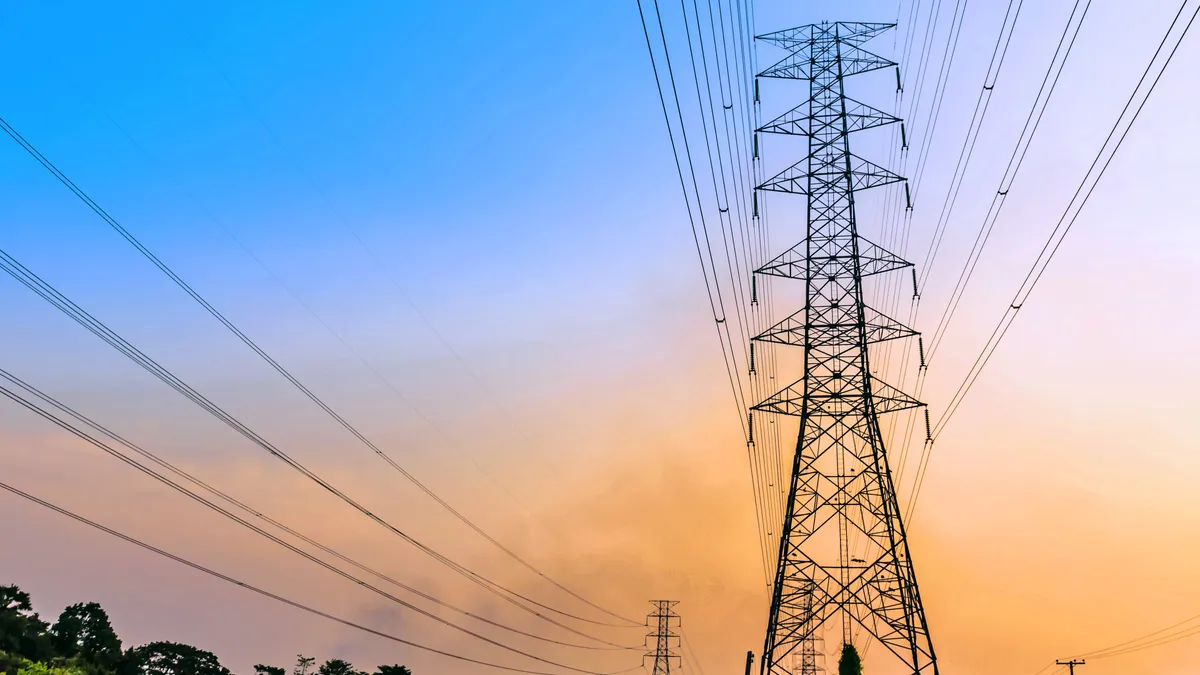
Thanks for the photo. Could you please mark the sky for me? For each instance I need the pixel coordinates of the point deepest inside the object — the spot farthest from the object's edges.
(460, 224)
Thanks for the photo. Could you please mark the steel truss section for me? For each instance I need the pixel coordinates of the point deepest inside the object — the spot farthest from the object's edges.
(662, 639)
(841, 484)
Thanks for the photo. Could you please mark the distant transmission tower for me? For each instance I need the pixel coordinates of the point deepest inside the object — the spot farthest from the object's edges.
(809, 656)
(841, 484)
(660, 637)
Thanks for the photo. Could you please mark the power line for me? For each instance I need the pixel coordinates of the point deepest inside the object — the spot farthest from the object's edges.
(978, 115)
(383, 379)
(66, 425)
(1063, 226)
(752, 319)
(1141, 643)
(358, 238)
(939, 94)
(268, 594)
(923, 458)
(759, 451)
(62, 303)
(1032, 121)
(183, 285)
(982, 103)
(386, 272)
(734, 277)
(718, 316)
(687, 646)
(721, 194)
(1071, 213)
(753, 102)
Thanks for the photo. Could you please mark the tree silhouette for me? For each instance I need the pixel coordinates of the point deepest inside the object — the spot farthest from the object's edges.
(21, 631)
(336, 667)
(849, 663)
(171, 658)
(393, 670)
(303, 663)
(85, 631)
(260, 669)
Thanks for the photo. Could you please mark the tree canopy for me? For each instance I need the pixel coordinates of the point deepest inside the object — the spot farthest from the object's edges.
(22, 633)
(172, 658)
(85, 631)
(83, 642)
(336, 667)
(850, 663)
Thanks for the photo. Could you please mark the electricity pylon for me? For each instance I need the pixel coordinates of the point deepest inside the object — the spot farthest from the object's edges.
(841, 483)
(809, 657)
(661, 635)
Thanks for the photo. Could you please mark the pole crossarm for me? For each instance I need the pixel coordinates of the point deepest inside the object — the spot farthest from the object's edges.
(795, 329)
(799, 121)
(801, 65)
(841, 483)
(828, 254)
(835, 395)
(796, 179)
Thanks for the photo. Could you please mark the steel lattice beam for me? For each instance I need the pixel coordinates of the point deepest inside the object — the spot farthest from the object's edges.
(841, 482)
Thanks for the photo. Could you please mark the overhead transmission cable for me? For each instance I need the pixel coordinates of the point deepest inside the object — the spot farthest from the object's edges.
(1008, 26)
(765, 457)
(268, 594)
(1079, 199)
(720, 195)
(48, 293)
(748, 301)
(1189, 627)
(43, 408)
(1016, 160)
(731, 261)
(763, 451)
(383, 379)
(978, 115)
(768, 447)
(687, 646)
(383, 269)
(991, 76)
(715, 300)
(770, 452)
(923, 144)
(1100, 163)
(713, 295)
(949, 52)
(903, 224)
(217, 314)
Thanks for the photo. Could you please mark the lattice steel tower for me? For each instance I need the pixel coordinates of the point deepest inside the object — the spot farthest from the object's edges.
(660, 637)
(841, 484)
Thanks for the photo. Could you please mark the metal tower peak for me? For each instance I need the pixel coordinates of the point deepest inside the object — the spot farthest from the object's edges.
(849, 32)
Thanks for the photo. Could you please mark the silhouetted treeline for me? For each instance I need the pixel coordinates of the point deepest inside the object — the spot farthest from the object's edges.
(82, 642)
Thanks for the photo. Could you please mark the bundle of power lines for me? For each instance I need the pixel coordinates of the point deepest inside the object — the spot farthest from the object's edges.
(711, 123)
(560, 624)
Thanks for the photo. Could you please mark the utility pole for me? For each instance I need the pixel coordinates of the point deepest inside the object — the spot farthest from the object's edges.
(841, 487)
(661, 621)
(749, 662)
(1071, 664)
